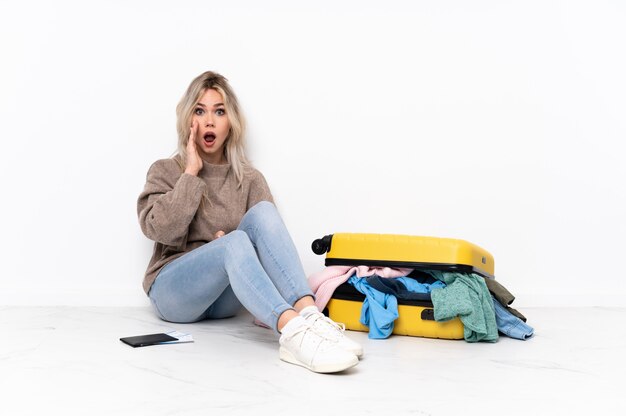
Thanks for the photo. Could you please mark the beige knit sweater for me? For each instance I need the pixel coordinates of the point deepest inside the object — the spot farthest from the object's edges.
(173, 214)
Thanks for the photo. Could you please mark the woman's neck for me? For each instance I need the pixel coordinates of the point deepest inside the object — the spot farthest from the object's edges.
(214, 159)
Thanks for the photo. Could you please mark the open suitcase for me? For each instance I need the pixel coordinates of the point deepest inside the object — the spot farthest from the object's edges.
(416, 318)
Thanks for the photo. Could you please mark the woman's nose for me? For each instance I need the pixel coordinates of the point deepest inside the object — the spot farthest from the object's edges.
(208, 122)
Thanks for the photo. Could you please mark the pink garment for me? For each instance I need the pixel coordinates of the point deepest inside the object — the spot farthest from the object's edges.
(324, 282)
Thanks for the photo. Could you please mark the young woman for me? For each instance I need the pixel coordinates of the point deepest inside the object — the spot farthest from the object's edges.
(219, 240)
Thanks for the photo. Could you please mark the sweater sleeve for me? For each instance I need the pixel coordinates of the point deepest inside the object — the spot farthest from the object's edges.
(259, 190)
(168, 203)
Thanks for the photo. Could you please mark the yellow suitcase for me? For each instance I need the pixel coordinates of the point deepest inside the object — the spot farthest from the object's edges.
(416, 318)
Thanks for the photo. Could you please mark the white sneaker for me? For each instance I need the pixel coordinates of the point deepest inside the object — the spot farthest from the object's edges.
(333, 331)
(307, 348)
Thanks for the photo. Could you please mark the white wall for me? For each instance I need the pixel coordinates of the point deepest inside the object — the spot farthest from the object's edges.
(496, 122)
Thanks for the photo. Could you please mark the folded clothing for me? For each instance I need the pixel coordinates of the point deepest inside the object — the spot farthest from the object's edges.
(509, 324)
(503, 296)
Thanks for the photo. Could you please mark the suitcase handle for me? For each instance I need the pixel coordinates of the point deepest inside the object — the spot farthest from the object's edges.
(322, 245)
(428, 315)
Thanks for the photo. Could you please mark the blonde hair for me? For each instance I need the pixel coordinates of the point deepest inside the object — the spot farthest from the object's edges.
(234, 147)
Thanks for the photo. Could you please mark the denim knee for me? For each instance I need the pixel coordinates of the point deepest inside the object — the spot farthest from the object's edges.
(239, 247)
(237, 240)
(262, 216)
(263, 207)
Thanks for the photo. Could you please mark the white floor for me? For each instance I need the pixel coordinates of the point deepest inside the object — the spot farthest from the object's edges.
(69, 361)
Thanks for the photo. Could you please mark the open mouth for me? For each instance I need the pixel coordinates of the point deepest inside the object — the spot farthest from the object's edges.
(209, 137)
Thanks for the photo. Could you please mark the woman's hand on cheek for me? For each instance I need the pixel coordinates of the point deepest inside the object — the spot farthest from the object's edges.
(194, 161)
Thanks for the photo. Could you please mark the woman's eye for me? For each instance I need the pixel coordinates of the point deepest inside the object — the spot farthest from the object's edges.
(199, 111)
(220, 111)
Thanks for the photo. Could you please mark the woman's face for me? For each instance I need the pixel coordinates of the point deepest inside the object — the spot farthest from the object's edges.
(212, 126)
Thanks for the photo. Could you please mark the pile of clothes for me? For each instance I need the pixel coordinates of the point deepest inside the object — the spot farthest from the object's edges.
(482, 304)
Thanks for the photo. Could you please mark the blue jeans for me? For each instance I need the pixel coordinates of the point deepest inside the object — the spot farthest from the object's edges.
(511, 325)
(256, 266)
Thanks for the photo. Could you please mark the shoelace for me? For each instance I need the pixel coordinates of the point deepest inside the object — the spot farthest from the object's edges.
(328, 327)
(298, 330)
(307, 332)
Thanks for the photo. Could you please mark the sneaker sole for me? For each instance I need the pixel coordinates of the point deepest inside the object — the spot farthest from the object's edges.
(286, 356)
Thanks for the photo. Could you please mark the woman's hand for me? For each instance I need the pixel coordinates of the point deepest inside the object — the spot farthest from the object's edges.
(194, 161)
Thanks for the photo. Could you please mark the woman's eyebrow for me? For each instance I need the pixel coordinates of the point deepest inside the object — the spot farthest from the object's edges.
(214, 105)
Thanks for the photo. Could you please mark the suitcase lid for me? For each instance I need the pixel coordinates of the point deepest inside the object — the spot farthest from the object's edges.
(395, 250)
